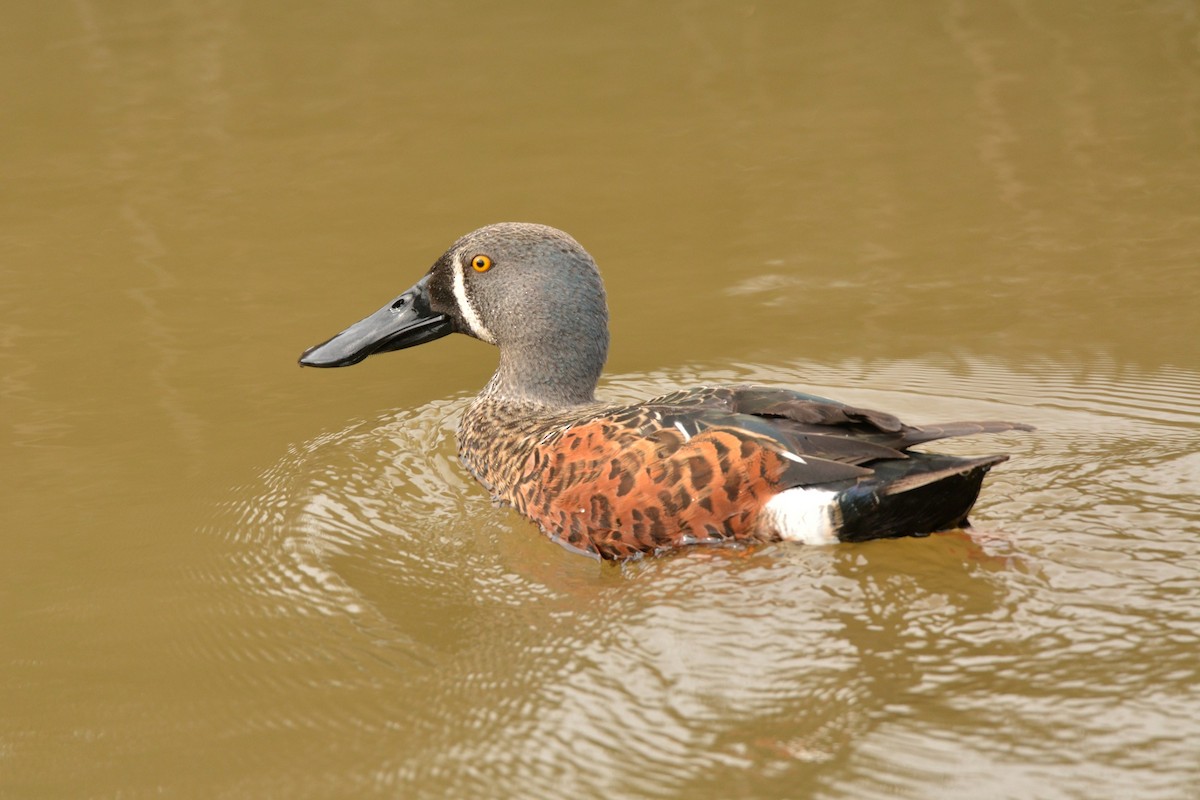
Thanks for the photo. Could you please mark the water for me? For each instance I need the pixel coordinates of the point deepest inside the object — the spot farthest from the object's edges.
(225, 576)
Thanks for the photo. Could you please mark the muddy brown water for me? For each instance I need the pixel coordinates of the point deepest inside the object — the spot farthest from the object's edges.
(224, 576)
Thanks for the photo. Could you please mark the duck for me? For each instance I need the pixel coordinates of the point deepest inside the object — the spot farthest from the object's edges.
(702, 466)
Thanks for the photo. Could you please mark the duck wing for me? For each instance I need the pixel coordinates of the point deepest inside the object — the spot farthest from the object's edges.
(803, 420)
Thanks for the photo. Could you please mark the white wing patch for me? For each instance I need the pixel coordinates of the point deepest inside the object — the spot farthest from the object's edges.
(469, 315)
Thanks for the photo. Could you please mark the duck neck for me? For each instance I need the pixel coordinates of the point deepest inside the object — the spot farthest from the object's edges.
(529, 375)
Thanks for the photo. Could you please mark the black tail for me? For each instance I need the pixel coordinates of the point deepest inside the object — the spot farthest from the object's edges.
(917, 496)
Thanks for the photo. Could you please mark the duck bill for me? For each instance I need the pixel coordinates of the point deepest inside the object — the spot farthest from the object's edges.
(407, 321)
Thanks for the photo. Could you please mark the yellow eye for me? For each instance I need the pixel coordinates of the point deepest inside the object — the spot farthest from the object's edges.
(481, 263)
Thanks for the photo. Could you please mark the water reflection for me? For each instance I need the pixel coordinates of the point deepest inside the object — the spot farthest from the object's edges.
(483, 659)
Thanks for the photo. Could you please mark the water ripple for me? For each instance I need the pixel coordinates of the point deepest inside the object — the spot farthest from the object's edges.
(380, 595)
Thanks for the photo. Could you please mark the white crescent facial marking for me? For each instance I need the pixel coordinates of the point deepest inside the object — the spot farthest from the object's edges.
(464, 305)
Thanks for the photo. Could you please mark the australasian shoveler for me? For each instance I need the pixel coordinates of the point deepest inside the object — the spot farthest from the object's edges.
(710, 465)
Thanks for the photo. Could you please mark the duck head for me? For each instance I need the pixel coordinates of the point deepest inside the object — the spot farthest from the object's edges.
(531, 290)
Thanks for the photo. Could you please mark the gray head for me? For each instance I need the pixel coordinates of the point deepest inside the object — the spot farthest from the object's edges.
(531, 290)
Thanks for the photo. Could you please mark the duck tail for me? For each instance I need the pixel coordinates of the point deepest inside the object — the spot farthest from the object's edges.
(923, 494)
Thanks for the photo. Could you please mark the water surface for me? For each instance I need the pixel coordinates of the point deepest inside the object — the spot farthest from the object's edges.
(223, 576)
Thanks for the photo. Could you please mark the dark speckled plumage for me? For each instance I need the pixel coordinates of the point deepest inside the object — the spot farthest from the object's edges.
(696, 466)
